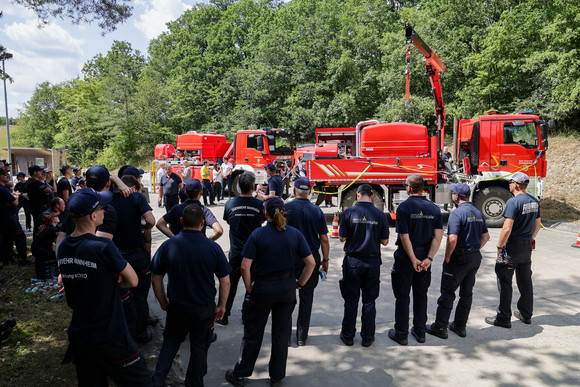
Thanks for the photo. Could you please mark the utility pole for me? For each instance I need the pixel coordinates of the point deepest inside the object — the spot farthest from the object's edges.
(4, 55)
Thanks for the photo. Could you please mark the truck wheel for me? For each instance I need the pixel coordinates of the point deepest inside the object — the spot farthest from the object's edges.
(236, 185)
(349, 200)
(491, 202)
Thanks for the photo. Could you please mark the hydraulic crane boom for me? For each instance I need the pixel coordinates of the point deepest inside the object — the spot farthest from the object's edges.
(433, 67)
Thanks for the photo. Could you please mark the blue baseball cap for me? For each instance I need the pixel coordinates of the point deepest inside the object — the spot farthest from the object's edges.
(21, 174)
(85, 201)
(131, 171)
(193, 185)
(460, 189)
(273, 203)
(271, 167)
(34, 168)
(365, 188)
(77, 169)
(97, 175)
(302, 183)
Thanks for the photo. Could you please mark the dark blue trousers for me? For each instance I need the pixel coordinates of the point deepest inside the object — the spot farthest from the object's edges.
(455, 276)
(519, 262)
(403, 279)
(306, 297)
(278, 297)
(195, 322)
(235, 274)
(358, 277)
(139, 260)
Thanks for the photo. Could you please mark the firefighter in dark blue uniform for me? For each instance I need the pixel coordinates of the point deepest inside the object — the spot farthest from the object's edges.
(275, 183)
(364, 228)
(466, 235)
(270, 252)
(420, 229)
(309, 219)
(514, 248)
(190, 298)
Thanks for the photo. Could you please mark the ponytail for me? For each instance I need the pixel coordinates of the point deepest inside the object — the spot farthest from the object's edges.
(279, 220)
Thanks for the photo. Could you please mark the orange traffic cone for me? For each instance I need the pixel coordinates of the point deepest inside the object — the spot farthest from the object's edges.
(577, 244)
(334, 227)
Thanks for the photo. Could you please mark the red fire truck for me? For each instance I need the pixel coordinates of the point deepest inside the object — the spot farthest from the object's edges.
(251, 151)
(487, 150)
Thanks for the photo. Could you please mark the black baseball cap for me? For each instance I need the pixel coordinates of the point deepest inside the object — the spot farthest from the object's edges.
(97, 175)
(365, 188)
(34, 168)
(85, 201)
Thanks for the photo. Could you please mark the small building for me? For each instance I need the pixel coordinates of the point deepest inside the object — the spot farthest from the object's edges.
(22, 158)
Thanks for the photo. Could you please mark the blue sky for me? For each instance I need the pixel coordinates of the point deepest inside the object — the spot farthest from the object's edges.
(58, 51)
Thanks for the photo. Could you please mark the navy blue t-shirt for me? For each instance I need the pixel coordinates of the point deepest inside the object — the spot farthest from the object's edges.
(524, 209)
(276, 184)
(364, 226)
(307, 218)
(244, 215)
(272, 251)
(191, 276)
(89, 266)
(173, 217)
(170, 184)
(129, 211)
(74, 182)
(63, 185)
(6, 200)
(38, 199)
(418, 217)
(468, 223)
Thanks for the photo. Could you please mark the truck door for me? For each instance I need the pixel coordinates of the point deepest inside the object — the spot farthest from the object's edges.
(253, 148)
(519, 142)
(485, 145)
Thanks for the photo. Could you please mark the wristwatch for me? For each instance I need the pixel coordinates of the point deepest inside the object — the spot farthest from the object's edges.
(429, 258)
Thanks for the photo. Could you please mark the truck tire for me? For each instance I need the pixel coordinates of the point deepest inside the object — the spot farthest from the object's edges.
(349, 200)
(236, 185)
(491, 202)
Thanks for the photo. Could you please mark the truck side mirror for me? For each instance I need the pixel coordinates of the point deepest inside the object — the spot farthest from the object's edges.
(544, 131)
(518, 123)
(551, 124)
(260, 141)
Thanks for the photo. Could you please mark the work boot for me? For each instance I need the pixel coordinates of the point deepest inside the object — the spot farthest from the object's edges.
(399, 339)
(518, 315)
(498, 323)
(437, 331)
(237, 381)
(459, 331)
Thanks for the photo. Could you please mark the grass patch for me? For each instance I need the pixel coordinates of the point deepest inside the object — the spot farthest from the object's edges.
(34, 351)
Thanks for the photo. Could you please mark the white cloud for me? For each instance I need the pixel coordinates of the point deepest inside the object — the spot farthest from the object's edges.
(157, 14)
(46, 54)
(50, 40)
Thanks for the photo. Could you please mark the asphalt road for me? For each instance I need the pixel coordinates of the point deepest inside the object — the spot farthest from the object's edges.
(547, 352)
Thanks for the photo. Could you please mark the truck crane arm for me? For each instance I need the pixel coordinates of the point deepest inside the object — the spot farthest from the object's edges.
(433, 67)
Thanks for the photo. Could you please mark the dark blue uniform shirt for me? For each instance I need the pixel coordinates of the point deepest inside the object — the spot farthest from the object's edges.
(276, 184)
(272, 251)
(307, 218)
(419, 218)
(89, 266)
(191, 274)
(244, 215)
(37, 198)
(6, 200)
(170, 184)
(468, 223)
(129, 211)
(63, 185)
(524, 209)
(364, 226)
(173, 217)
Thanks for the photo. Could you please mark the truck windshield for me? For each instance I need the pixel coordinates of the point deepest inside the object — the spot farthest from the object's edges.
(280, 144)
(526, 135)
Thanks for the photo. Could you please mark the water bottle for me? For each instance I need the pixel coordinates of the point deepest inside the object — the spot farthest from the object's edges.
(322, 275)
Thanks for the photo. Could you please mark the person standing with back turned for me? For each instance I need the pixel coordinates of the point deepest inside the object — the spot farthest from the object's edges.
(190, 298)
(420, 228)
(270, 252)
(364, 228)
(309, 219)
(466, 235)
(514, 250)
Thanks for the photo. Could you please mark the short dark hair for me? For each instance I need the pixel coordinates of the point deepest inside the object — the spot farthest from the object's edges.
(192, 216)
(246, 181)
(416, 182)
(131, 181)
(54, 202)
(64, 168)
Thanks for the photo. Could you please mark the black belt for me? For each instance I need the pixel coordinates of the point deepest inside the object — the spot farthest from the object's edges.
(357, 255)
(517, 242)
(274, 277)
